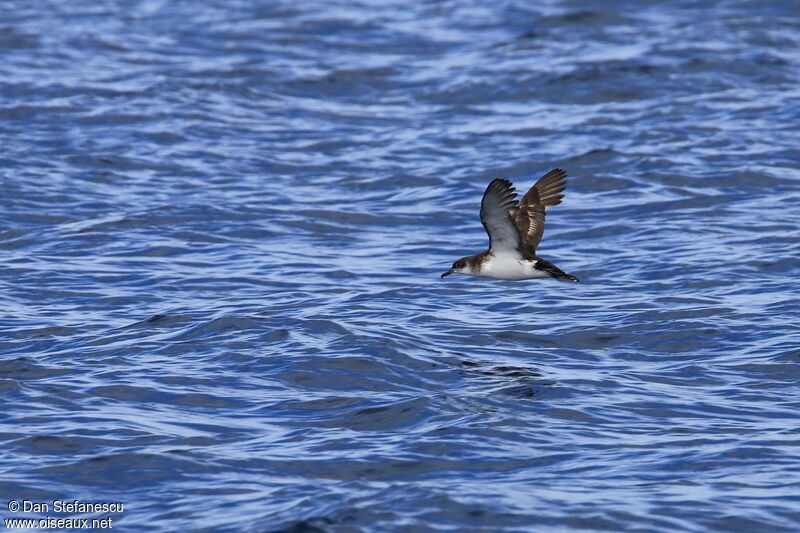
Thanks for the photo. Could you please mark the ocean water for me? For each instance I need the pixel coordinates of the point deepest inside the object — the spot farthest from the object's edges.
(222, 226)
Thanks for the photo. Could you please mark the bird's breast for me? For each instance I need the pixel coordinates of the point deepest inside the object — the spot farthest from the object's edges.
(509, 268)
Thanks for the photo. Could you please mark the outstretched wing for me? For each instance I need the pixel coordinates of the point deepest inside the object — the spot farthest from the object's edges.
(498, 202)
(529, 215)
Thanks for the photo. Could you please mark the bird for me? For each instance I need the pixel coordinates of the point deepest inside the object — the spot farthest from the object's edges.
(515, 229)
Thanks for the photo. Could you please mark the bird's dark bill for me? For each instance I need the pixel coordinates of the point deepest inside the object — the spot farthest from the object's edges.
(447, 273)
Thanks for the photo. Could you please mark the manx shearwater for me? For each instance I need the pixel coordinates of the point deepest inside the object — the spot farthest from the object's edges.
(515, 229)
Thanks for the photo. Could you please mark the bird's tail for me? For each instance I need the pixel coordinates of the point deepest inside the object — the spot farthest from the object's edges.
(553, 271)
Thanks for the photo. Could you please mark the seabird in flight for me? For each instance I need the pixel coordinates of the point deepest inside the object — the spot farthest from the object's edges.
(515, 230)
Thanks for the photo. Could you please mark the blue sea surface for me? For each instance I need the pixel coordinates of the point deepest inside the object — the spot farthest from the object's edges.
(222, 226)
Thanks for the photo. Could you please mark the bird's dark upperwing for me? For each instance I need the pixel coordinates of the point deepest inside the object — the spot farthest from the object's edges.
(529, 215)
(498, 202)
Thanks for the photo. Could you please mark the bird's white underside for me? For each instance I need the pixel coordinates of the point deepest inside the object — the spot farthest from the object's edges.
(510, 267)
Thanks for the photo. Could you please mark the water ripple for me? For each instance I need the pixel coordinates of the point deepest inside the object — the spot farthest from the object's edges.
(222, 228)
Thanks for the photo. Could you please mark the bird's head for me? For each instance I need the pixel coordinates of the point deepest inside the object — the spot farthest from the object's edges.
(459, 267)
